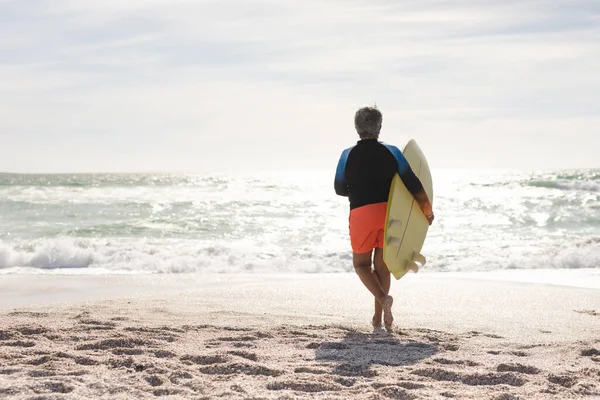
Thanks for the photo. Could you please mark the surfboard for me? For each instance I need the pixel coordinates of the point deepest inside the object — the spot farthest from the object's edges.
(406, 226)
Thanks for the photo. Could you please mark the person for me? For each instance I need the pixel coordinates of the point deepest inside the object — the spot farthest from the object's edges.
(364, 174)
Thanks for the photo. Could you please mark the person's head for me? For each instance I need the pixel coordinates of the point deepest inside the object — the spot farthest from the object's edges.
(367, 122)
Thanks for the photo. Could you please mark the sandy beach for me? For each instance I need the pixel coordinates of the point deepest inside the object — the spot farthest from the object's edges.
(295, 337)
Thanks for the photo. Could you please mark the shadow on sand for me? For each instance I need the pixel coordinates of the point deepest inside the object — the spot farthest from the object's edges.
(358, 351)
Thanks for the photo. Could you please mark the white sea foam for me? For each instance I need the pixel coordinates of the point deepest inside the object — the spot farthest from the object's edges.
(286, 222)
(185, 256)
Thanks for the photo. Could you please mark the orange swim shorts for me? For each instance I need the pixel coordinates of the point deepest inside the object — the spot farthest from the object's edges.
(366, 227)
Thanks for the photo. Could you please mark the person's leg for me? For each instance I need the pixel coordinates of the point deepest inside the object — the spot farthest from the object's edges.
(384, 278)
(364, 236)
(377, 315)
(362, 265)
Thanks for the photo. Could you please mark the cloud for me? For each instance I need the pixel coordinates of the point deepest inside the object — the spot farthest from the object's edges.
(197, 84)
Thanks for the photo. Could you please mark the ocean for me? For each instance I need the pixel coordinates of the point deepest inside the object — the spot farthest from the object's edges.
(285, 222)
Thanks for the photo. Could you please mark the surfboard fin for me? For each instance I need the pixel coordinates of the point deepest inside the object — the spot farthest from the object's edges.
(394, 241)
(395, 223)
(420, 258)
(412, 266)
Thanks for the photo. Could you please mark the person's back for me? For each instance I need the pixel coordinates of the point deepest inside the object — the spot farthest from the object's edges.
(364, 174)
(367, 170)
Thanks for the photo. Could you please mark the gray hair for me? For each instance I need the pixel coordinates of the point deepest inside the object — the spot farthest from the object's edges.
(367, 122)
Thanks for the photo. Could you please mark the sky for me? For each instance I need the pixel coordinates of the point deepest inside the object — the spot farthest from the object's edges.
(209, 85)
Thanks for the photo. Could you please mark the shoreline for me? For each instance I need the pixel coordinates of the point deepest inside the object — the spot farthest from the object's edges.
(22, 290)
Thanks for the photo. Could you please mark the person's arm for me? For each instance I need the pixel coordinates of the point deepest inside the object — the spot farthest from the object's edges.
(415, 187)
(339, 183)
(413, 184)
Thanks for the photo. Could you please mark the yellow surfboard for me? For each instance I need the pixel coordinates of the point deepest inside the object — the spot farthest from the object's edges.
(405, 225)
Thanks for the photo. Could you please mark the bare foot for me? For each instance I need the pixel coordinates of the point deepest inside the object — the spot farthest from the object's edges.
(386, 304)
(376, 321)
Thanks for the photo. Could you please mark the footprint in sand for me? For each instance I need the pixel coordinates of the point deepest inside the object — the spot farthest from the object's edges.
(9, 371)
(28, 314)
(41, 373)
(176, 377)
(450, 347)
(164, 354)
(155, 380)
(54, 387)
(13, 391)
(120, 362)
(562, 380)
(286, 332)
(593, 313)
(6, 335)
(236, 329)
(334, 346)
(528, 346)
(94, 325)
(590, 352)
(490, 335)
(449, 395)
(166, 392)
(519, 353)
(128, 352)
(204, 360)
(406, 385)
(456, 362)
(236, 339)
(394, 392)
(40, 361)
(359, 370)
(235, 368)
(245, 341)
(19, 343)
(165, 334)
(85, 361)
(31, 330)
(197, 328)
(411, 385)
(346, 382)
(263, 335)
(246, 345)
(244, 354)
(440, 374)
(520, 368)
(108, 344)
(77, 373)
(507, 396)
(305, 386)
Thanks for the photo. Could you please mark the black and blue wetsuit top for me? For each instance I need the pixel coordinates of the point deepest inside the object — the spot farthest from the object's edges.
(365, 171)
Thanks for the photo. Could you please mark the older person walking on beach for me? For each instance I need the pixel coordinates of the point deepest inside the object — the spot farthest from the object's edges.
(364, 174)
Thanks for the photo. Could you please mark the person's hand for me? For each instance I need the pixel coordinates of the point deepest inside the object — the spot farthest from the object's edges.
(430, 218)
